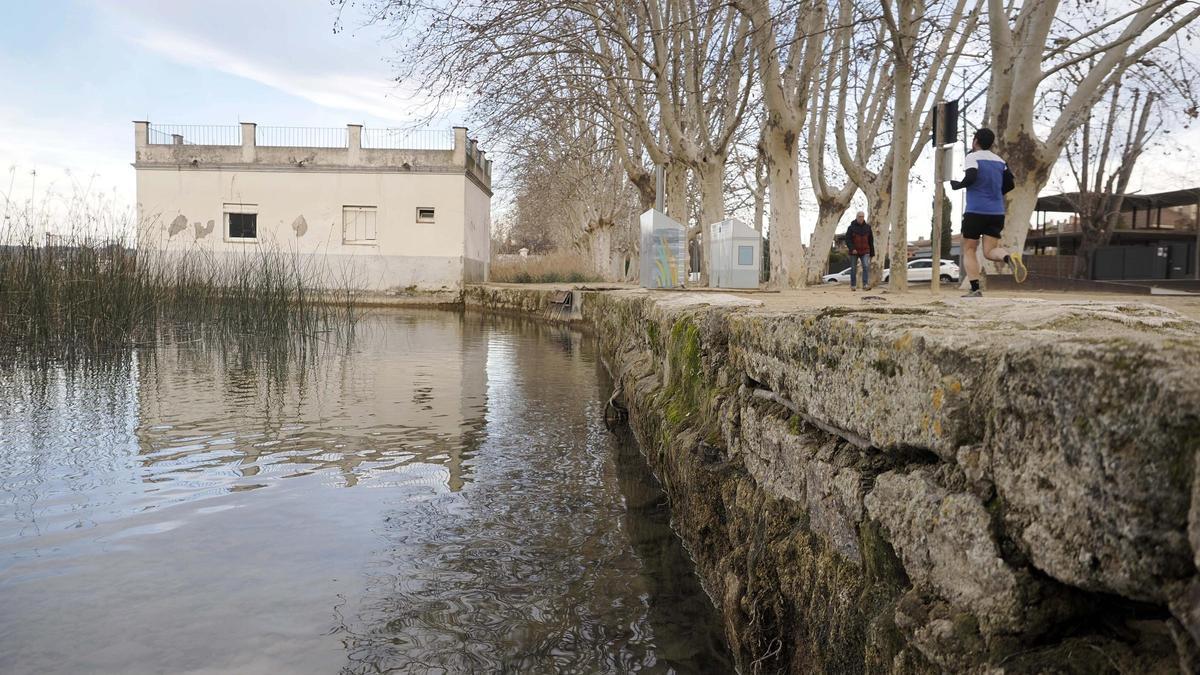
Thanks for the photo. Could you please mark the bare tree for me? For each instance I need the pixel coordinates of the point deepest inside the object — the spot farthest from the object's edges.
(696, 66)
(1102, 165)
(904, 23)
(788, 45)
(832, 200)
(1036, 44)
(934, 40)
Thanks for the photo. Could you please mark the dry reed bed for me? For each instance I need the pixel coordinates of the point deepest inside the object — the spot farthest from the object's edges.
(551, 268)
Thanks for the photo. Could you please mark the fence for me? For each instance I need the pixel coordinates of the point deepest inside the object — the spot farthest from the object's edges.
(302, 137)
(195, 134)
(1060, 266)
(408, 139)
(305, 137)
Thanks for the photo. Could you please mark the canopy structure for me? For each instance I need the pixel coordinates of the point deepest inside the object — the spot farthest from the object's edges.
(1143, 245)
(1065, 202)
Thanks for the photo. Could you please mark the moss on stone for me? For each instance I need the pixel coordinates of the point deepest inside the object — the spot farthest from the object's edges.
(886, 367)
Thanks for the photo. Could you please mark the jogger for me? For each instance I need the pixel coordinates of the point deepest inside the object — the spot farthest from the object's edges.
(987, 180)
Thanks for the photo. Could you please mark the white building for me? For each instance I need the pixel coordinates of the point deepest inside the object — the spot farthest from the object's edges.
(376, 209)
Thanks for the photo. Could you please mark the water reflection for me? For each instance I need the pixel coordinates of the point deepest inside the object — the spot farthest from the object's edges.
(409, 390)
(438, 494)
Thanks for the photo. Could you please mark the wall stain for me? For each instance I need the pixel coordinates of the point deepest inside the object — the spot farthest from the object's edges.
(300, 226)
(203, 231)
(178, 225)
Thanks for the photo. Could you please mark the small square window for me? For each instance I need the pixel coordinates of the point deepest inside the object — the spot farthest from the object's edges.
(424, 214)
(358, 225)
(745, 255)
(241, 226)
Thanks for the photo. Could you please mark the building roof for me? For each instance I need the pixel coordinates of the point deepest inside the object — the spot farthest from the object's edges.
(1065, 203)
(1138, 236)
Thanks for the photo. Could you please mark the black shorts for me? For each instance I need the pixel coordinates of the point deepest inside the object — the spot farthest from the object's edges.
(977, 224)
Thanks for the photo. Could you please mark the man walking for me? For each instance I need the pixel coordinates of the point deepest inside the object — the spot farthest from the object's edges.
(987, 180)
(861, 243)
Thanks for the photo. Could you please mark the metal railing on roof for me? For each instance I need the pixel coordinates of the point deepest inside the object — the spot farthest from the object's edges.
(302, 137)
(195, 134)
(408, 139)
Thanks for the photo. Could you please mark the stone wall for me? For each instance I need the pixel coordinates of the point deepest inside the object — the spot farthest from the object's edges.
(995, 486)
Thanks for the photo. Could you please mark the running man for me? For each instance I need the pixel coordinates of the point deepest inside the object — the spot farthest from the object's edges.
(987, 180)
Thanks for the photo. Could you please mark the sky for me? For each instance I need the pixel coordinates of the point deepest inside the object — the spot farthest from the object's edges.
(75, 73)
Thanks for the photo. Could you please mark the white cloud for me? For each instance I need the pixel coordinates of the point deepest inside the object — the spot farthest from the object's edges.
(288, 47)
(373, 96)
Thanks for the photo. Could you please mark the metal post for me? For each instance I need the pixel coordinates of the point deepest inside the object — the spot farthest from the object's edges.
(659, 187)
(935, 237)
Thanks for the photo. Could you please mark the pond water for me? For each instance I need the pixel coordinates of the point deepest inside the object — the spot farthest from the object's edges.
(438, 494)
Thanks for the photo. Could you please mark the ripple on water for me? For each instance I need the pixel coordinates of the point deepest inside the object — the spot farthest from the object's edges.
(438, 495)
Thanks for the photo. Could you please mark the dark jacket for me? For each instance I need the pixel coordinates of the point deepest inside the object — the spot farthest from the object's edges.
(860, 229)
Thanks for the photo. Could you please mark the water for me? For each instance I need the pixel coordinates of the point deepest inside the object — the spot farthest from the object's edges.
(438, 495)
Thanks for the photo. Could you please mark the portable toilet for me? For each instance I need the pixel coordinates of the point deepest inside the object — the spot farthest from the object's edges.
(735, 259)
(663, 252)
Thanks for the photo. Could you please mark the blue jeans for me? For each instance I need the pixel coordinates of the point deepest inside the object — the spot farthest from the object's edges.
(865, 259)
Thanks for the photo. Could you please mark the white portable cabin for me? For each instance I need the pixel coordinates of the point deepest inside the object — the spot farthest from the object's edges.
(735, 259)
(663, 252)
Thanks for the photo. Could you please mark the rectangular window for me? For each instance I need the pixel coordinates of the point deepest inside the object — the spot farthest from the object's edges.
(241, 222)
(745, 255)
(358, 225)
(424, 214)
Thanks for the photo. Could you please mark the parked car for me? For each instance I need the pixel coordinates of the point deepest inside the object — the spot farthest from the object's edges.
(842, 277)
(922, 270)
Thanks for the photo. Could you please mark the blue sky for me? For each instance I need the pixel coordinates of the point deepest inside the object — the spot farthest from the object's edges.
(75, 73)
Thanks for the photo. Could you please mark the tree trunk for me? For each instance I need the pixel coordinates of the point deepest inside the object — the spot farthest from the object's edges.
(900, 171)
(879, 204)
(1022, 202)
(817, 259)
(760, 206)
(1095, 235)
(712, 209)
(675, 200)
(600, 249)
(787, 250)
(644, 182)
(1088, 243)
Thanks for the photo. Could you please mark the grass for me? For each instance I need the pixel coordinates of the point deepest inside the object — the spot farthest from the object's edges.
(552, 268)
(85, 291)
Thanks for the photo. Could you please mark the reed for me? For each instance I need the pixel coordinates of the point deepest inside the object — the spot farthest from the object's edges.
(82, 290)
(551, 268)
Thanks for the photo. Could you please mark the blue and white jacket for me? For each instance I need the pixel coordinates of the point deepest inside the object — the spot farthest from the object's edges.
(987, 180)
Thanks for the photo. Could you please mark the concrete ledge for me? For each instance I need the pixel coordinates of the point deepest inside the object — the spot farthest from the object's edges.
(916, 488)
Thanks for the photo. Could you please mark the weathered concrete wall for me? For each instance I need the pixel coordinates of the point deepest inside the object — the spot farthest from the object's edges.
(300, 196)
(302, 214)
(984, 487)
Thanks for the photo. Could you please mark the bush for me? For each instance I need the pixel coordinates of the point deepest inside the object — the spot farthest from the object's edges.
(839, 260)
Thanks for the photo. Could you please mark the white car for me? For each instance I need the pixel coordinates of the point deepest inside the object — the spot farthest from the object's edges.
(922, 270)
(842, 277)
